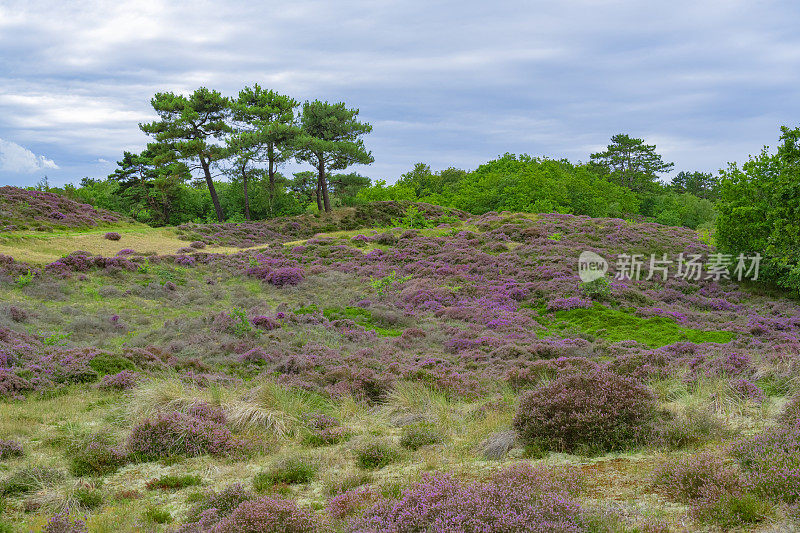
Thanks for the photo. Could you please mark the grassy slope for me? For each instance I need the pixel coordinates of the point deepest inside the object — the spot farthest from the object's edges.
(38, 248)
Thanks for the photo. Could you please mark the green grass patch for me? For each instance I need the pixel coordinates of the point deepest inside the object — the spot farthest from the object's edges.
(360, 316)
(618, 325)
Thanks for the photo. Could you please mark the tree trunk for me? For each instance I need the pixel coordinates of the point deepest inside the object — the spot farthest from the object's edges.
(271, 158)
(318, 193)
(246, 196)
(323, 185)
(211, 189)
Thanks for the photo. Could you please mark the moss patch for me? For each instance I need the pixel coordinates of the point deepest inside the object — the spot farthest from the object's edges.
(618, 325)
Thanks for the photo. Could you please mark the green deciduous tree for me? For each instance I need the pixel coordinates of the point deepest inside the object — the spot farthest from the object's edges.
(630, 163)
(192, 127)
(331, 140)
(759, 210)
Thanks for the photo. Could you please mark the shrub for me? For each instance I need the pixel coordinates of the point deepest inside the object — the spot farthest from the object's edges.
(375, 454)
(112, 236)
(171, 434)
(599, 289)
(323, 430)
(520, 499)
(348, 502)
(198, 245)
(10, 448)
(105, 364)
(692, 477)
(713, 486)
(771, 461)
(265, 322)
(88, 498)
(173, 482)
(267, 515)
(289, 470)
(157, 515)
(597, 411)
(690, 428)
(416, 436)
(224, 501)
(121, 381)
(791, 414)
(281, 277)
(62, 523)
(96, 458)
(733, 510)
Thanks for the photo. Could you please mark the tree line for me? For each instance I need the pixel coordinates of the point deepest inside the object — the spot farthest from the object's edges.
(626, 179)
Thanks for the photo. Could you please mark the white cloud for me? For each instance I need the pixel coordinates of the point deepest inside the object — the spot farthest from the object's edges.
(18, 159)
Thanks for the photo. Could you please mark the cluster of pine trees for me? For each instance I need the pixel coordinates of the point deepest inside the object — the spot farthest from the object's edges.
(246, 139)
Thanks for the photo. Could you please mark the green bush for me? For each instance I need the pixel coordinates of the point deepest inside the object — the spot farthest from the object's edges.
(289, 471)
(733, 510)
(599, 289)
(98, 457)
(105, 364)
(174, 482)
(416, 436)
(375, 454)
(88, 498)
(157, 515)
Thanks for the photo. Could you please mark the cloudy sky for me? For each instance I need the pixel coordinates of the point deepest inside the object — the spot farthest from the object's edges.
(450, 83)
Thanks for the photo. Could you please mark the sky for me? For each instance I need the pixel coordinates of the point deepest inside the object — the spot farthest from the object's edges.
(448, 83)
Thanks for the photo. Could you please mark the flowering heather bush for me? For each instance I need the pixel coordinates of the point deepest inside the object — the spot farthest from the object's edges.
(265, 322)
(791, 413)
(267, 515)
(713, 486)
(771, 462)
(224, 501)
(597, 411)
(286, 276)
(349, 502)
(112, 236)
(63, 523)
(520, 499)
(10, 448)
(170, 434)
(747, 390)
(694, 477)
(121, 381)
(415, 436)
(323, 430)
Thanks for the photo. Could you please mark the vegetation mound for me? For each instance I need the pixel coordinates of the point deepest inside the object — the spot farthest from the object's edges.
(22, 209)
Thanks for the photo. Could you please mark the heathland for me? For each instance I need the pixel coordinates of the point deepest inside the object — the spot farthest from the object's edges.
(385, 367)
